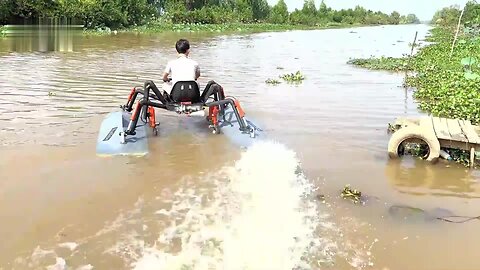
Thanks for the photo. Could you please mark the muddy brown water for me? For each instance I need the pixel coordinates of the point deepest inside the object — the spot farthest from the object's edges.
(199, 202)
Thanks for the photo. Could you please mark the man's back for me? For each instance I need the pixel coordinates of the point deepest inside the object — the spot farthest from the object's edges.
(182, 69)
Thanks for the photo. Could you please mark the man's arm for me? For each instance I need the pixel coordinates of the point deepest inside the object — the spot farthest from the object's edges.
(197, 71)
(166, 72)
(165, 77)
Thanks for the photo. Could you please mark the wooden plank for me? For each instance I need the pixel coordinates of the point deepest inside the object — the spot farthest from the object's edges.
(441, 128)
(426, 125)
(455, 130)
(455, 144)
(469, 131)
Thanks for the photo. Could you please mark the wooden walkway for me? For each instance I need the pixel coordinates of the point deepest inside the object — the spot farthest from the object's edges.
(452, 129)
(453, 133)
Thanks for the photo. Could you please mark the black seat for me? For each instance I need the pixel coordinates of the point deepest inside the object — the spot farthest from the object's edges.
(186, 91)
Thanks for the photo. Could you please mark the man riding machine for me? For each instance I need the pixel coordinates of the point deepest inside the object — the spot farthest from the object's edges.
(185, 98)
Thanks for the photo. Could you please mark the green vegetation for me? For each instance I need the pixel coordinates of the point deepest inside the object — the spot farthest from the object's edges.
(459, 156)
(382, 63)
(354, 195)
(309, 15)
(272, 81)
(193, 15)
(293, 77)
(421, 151)
(447, 82)
(448, 17)
(296, 78)
(415, 149)
(90, 13)
(158, 26)
(446, 87)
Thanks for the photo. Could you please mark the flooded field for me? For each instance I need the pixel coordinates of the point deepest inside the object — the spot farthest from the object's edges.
(199, 202)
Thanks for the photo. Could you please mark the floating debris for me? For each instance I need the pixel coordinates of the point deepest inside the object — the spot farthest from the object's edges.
(320, 197)
(393, 127)
(352, 194)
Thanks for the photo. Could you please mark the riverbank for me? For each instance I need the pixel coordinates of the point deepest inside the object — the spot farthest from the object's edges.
(165, 27)
(158, 27)
(447, 83)
(162, 27)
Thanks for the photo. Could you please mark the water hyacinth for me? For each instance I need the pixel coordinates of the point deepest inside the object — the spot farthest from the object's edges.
(352, 194)
(382, 63)
(293, 77)
(272, 81)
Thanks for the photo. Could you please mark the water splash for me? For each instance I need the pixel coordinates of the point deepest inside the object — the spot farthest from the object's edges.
(255, 218)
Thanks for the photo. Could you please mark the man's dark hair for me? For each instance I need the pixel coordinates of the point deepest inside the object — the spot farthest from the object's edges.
(182, 45)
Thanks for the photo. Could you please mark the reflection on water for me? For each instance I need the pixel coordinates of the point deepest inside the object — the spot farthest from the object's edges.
(48, 35)
(418, 177)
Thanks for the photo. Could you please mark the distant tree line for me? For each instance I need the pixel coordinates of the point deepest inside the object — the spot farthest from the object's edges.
(449, 16)
(125, 13)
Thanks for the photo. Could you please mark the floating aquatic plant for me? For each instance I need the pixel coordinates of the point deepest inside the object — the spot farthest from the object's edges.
(468, 61)
(471, 75)
(293, 77)
(352, 194)
(382, 63)
(272, 81)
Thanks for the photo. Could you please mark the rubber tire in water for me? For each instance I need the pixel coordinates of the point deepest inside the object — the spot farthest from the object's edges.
(413, 132)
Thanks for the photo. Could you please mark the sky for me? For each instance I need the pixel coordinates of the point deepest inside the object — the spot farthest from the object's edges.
(424, 9)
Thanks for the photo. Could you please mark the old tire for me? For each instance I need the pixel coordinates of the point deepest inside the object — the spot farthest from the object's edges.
(414, 132)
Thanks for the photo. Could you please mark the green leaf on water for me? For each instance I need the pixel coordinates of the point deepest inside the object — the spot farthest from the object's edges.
(468, 61)
(272, 81)
(471, 76)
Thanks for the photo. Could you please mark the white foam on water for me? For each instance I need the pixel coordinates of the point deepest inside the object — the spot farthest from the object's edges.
(59, 265)
(85, 267)
(70, 245)
(255, 218)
